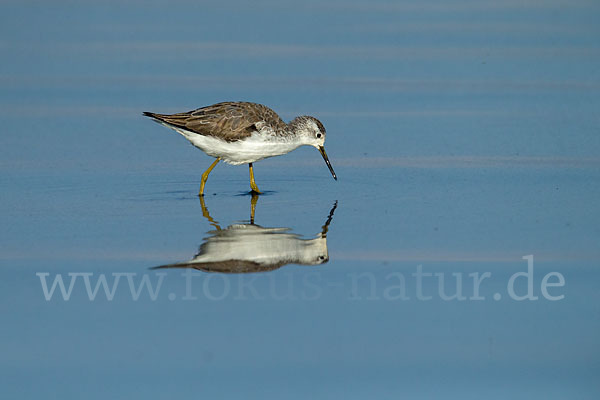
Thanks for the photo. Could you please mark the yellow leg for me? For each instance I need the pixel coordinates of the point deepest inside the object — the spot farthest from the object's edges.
(206, 215)
(252, 183)
(205, 176)
(253, 202)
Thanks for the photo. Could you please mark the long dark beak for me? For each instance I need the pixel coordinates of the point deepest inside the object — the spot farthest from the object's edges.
(322, 150)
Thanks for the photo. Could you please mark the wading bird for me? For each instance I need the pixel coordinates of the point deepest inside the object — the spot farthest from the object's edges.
(243, 133)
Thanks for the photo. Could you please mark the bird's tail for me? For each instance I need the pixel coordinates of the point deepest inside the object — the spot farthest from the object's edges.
(151, 115)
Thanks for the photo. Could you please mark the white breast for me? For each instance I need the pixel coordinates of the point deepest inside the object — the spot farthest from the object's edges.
(252, 149)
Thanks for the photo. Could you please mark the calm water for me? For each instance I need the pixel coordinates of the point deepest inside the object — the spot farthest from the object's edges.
(464, 135)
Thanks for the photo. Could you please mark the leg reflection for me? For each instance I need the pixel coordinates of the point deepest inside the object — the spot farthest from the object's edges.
(206, 215)
(253, 202)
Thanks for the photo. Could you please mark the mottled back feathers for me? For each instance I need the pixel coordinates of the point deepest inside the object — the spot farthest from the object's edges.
(229, 121)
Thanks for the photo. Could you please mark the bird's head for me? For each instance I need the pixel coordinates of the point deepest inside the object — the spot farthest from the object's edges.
(312, 132)
(310, 129)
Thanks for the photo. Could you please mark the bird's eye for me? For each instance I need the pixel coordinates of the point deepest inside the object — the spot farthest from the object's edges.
(318, 135)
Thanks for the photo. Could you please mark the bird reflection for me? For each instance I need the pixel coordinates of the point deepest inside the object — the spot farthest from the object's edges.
(244, 248)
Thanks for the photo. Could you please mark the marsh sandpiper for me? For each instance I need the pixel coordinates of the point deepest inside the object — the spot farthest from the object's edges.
(243, 133)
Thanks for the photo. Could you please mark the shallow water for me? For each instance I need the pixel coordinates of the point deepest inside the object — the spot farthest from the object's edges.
(465, 138)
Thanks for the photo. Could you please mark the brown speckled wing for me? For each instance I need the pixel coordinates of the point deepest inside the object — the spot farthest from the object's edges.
(229, 121)
(226, 267)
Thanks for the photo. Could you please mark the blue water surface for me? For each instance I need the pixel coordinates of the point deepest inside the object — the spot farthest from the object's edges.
(464, 135)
